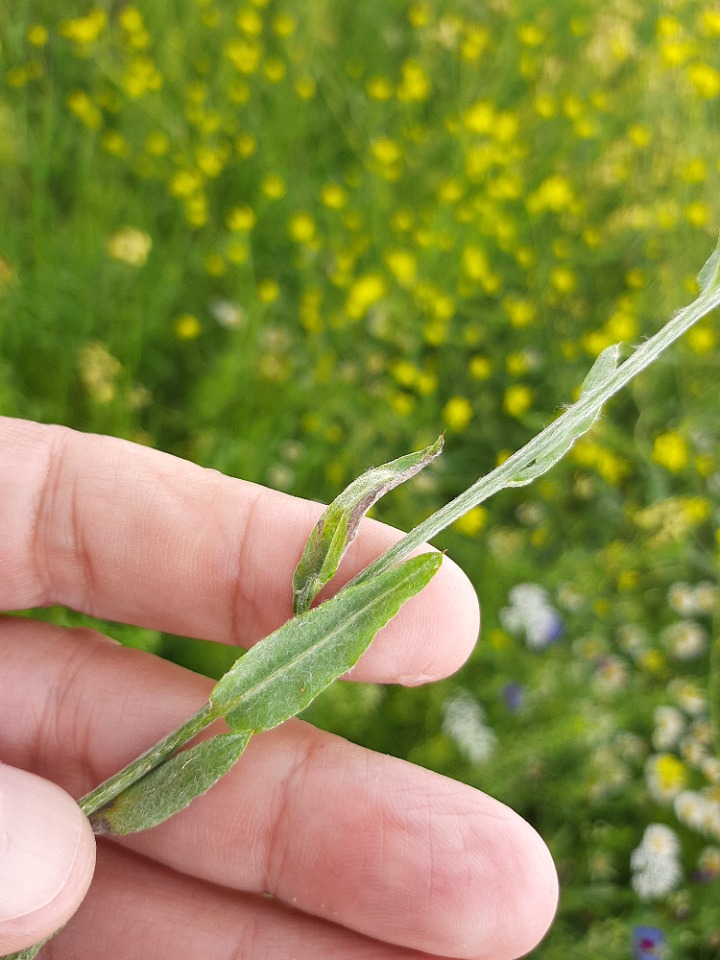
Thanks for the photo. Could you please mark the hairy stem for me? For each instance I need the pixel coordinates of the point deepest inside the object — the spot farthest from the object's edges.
(570, 425)
(113, 786)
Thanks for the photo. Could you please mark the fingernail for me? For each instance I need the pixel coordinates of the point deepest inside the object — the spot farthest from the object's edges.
(41, 829)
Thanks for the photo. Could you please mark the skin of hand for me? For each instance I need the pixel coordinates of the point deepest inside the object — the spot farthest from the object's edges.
(311, 847)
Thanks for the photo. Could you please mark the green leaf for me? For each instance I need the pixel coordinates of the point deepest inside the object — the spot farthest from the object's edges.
(279, 677)
(336, 528)
(605, 365)
(170, 787)
(28, 954)
(709, 276)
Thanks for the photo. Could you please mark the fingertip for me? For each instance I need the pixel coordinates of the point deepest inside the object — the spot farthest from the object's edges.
(530, 908)
(47, 858)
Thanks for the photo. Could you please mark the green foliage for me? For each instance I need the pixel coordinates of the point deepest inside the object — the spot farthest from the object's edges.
(171, 786)
(338, 525)
(293, 252)
(281, 675)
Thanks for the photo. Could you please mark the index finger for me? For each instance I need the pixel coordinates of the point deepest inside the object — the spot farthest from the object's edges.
(126, 533)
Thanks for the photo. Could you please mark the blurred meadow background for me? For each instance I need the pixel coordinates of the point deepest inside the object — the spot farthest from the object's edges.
(290, 241)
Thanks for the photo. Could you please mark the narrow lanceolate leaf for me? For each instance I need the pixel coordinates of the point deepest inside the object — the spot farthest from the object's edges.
(336, 528)
(603, 368)
(279, 677)
(28, 953)
(170, 787)
(598, 376)
(709, 276)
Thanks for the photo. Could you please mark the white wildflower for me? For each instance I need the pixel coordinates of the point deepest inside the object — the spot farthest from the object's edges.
(530, 612)
(464, 722)
(685, 639)
(655, 863)
(669, 727)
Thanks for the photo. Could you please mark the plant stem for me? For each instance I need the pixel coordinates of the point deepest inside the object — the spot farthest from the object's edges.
(112, 787)
(571, 424)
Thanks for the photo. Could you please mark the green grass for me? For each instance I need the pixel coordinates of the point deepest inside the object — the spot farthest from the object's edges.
(410, 217)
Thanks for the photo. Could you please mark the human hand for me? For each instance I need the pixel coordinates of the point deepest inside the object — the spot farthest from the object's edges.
(311, 847)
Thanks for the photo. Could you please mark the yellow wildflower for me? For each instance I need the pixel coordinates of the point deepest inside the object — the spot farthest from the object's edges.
(406, 373)
(157, 143)
(414, 84)
(517, 399)
(563, 279)
(517, 363)
(403, 404)
(284, 25)
(37, 35)
(705, 79)
(249, 21)
(273, 186)
(521, 312)
(530, 35)
(115, 144)
(418, 15)
(196, 210)
(237, 251)
(403, 266)
(671, 451)
(241, 219)
(622, 326)
(545, 105)
(386, 151)
(694, 171)
(81, 106)
(472, 522)
(302, 228)
(475, 42)
(555, 193)
(274, 69)
(666, 776)
(333, 196)
(130, 19)
(457, 413)
(697, 213)
(479, 367)
(84, 30)
(268, 290)
(305, 87)
(710, 23)
(244, 55)
(246, 144)
(141, 77)
(130, 245)
(695, 509)
(379, 88)
(364, 293)
(211, 160)
(701, 340)
(187, 327)
(185, 183)
(480, 117)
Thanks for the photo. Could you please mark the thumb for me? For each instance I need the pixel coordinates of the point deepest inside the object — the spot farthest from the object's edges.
(47, 856)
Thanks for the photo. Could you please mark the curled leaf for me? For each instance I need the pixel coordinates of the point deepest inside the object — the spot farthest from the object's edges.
(605, 365)
(279, 677)
(170, 787)
(336, 528)
(709, 276)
